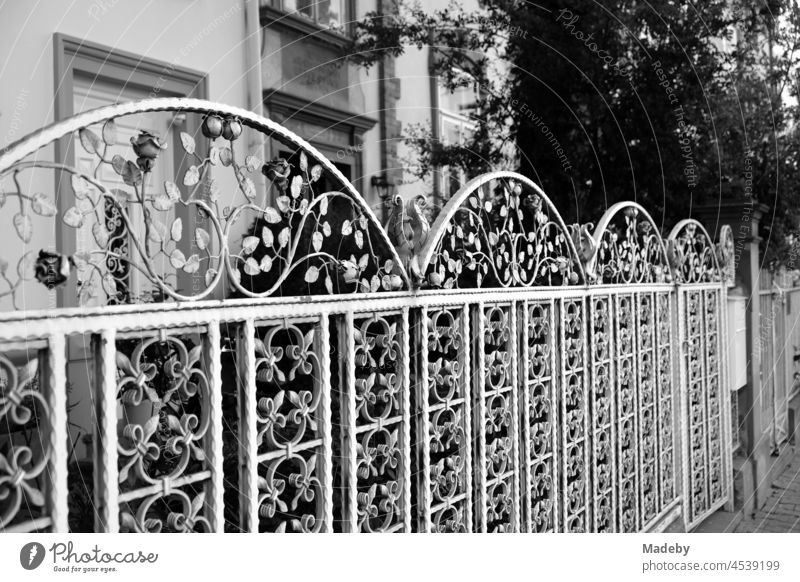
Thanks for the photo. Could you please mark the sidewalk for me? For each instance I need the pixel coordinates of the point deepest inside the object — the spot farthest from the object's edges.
(781, 513)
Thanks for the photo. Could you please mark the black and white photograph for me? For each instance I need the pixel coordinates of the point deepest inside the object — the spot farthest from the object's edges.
(400, 266)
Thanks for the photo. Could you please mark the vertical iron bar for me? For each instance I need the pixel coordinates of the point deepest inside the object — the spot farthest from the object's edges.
(105, 443)
(216, 504)
(322, 348)
(57, 401)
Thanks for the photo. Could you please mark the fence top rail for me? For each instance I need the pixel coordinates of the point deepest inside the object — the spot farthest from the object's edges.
(311, 234)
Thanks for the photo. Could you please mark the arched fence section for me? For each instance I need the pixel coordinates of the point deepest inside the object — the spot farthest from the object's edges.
(631, 345)
(702, 299)
(248, 349)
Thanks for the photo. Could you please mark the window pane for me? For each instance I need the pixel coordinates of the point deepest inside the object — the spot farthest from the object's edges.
(304, 7)
(451, 135)
(454, 181)
(331, 13)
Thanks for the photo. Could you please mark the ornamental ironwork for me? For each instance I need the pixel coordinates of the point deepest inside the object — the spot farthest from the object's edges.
(224, 218)
(693, 254)
(629, 248)
(499, 230)
(498, 370)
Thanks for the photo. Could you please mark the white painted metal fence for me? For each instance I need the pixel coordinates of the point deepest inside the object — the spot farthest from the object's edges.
(297, 367)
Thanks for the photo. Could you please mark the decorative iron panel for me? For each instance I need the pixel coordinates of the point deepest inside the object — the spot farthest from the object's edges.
(163, 396)
(627, 418)
(27, 447)
(574, 412)
(714, 398)
(603, 415)
(665, 416)
(293, 453)
(549, 409)
(446, 421)
(647, 408)
(697, 444)
(706, 441)
(497, 422)
(540, 417)
(376, 423)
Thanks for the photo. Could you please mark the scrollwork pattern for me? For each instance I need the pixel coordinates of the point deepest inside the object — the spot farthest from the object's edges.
(602, 415)
(693, 255)
(502, 235)
(448, 408)
(714, 396)
(163, 393)
(574, 432)
(380, 475)
(699, 496)
(185, 237)
(288, 430)
(174, 511)
(630, 249)
(499, 428)
(627, 434)
(647, 407)
(118, 245)
(24, 447)
(541, 416)
(666, 446)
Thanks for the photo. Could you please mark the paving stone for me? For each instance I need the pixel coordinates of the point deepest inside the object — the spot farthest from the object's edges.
(781, 512)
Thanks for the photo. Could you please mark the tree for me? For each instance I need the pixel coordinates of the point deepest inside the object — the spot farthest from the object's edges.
(619, 100)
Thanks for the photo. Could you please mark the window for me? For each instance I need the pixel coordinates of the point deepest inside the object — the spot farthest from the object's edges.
(456, 125)
(461, 101)
(326, 13)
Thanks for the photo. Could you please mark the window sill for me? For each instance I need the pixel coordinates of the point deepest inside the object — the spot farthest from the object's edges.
(273, 16)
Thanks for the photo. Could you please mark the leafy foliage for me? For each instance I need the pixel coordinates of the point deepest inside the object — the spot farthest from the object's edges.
(601, 102)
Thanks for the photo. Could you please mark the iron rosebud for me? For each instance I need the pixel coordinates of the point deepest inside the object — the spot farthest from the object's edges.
(278, 171)
(231, 129)
(52, 269)
(147, 147)
(212, 126)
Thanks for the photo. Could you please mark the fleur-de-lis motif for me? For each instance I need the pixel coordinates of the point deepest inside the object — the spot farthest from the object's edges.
(189, 522)
(140, 448)
(304, 482)
(17, 477)
(16, 390)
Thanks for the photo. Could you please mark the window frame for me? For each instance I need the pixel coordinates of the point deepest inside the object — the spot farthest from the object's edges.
(443, 116)
(271, 14)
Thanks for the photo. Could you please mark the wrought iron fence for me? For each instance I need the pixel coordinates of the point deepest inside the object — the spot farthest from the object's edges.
(268, 357)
